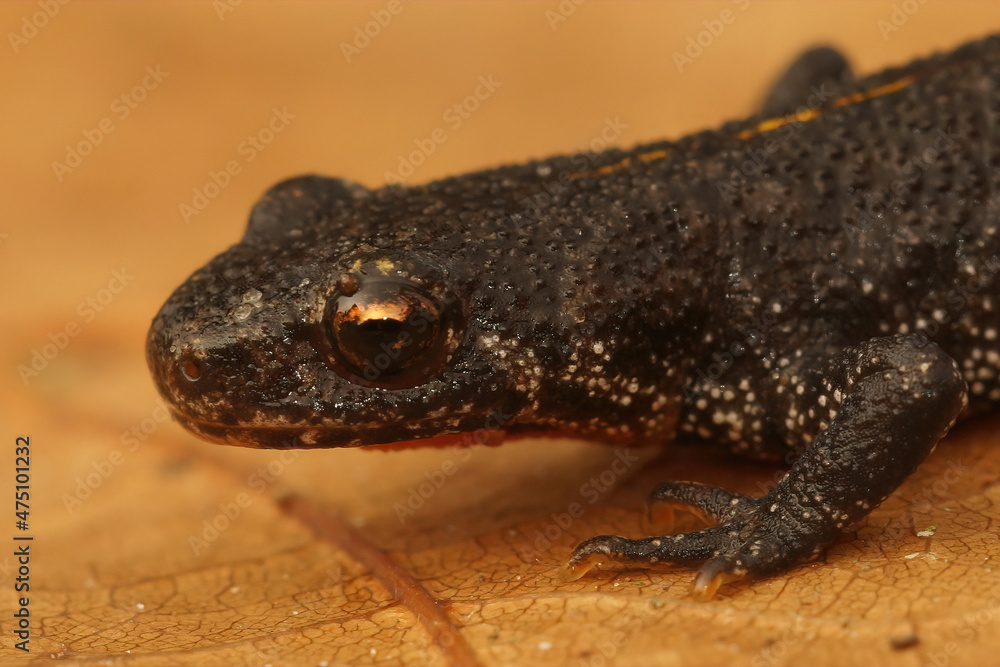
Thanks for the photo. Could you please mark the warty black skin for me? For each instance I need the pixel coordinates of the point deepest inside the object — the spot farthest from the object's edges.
(819, 286)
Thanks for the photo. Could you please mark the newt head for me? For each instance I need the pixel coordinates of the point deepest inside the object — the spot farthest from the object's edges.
(326, 328)
(494, 301)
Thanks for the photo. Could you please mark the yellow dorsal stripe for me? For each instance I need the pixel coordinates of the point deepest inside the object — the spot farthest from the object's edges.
(808, 114)
(802, 116)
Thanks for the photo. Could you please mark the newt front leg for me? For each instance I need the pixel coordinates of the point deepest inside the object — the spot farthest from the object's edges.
(888, 402)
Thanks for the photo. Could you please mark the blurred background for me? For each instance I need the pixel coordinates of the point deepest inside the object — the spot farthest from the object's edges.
(355, 104)
(136, 136)
(155, 97)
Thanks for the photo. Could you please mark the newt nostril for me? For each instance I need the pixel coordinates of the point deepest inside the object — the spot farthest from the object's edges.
(191, 368)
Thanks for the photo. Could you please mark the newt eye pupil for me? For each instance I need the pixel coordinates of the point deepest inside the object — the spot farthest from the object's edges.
(387, 333)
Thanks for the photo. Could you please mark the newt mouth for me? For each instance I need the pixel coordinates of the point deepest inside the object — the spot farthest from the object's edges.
(387, 437)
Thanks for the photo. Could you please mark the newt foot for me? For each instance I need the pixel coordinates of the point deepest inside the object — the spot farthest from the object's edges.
(753, 537)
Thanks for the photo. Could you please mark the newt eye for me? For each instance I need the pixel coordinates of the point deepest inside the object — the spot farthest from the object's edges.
(386, 333)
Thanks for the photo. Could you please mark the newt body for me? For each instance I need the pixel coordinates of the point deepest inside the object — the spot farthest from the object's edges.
(820, 281)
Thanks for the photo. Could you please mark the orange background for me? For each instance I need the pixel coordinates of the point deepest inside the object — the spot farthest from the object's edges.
(226, 73)
(63, 236)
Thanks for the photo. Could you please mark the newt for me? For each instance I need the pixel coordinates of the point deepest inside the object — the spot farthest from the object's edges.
(816, 283)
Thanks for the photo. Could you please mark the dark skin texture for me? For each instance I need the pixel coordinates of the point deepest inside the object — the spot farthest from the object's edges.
(817, 284)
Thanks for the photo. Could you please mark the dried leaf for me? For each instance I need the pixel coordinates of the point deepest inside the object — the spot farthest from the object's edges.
(188, 553)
